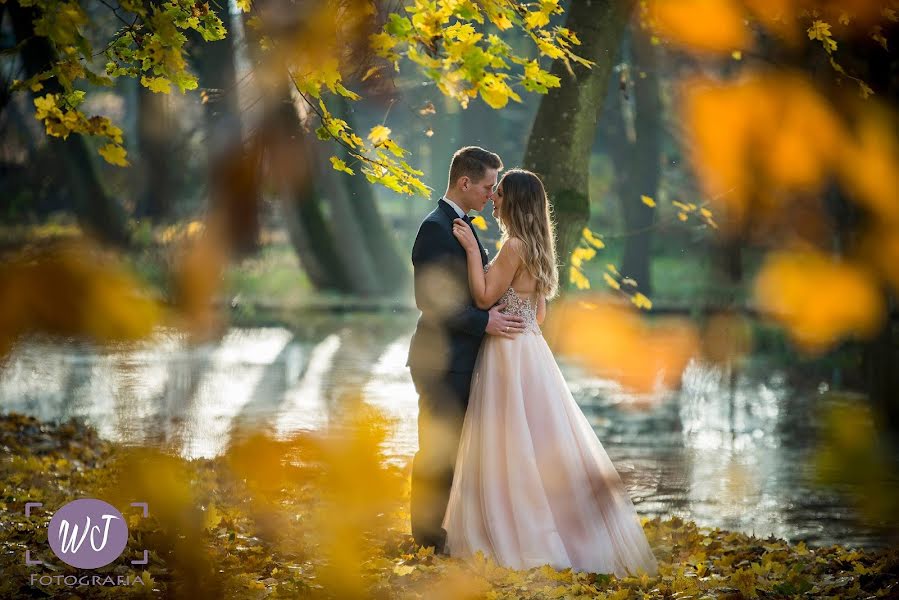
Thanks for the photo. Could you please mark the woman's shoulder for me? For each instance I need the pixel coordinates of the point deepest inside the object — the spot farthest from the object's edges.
(515, 245)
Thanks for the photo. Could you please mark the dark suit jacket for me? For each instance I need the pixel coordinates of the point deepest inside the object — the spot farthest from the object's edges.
(451, 326)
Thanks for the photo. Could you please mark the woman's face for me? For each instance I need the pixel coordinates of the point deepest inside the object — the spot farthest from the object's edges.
(498, 201)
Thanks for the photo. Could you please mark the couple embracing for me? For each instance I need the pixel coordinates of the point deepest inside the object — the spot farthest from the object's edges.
(507, 463)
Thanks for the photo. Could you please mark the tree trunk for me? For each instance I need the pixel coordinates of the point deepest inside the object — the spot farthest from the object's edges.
(97, 212)
(636, 156)
(156, 164)
(392, 271)
(348, 230)
(879, 359)
(233, 171)
(294, 166)
(562, 135)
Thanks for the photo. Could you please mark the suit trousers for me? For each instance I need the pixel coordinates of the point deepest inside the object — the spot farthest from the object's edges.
(442, 401)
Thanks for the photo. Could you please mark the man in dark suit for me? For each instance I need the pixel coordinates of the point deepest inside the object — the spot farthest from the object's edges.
(448, 336)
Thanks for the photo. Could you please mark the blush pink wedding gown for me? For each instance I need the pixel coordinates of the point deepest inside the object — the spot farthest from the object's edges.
(533, 485)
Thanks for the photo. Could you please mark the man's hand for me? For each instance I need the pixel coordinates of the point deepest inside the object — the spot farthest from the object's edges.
(507, 326)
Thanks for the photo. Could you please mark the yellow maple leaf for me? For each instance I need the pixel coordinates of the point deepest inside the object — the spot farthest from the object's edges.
(157, 85)
(496, 92)
(501, 21)
(479, 222)
(578, 278)
(648, 201)
(641, 301)
(536, 20)
(820, 30)
(865, 90)
(340, 165)
(45, 105)
(593, 239)
(114, 154)
(580, 254)
(379, 134)
(612, 283)
(371, 71)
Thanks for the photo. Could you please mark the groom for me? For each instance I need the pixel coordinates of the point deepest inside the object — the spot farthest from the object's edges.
(449, 333)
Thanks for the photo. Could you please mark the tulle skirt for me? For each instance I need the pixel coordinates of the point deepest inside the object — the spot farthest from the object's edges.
(533, 485)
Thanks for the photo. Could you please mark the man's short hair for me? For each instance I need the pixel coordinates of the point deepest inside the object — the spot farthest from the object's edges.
(473, 162)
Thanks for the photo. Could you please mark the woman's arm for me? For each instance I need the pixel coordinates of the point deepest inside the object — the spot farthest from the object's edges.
(486, 288)
(541, 310)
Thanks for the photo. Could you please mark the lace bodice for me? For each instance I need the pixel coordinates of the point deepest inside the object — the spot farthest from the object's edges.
(522, 307)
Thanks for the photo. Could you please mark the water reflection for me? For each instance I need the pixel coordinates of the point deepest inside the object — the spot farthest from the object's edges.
(728, 450)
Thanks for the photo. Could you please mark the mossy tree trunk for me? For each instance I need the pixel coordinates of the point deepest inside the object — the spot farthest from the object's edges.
(563, 132)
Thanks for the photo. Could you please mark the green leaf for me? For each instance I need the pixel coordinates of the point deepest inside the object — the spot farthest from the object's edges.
(398, 26)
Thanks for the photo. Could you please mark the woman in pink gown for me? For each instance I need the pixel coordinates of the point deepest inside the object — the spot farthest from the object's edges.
(532, 484)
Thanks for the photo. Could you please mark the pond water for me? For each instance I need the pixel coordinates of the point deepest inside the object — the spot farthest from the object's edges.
(729, 452)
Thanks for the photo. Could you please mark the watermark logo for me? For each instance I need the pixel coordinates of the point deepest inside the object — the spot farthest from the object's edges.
(88, 533)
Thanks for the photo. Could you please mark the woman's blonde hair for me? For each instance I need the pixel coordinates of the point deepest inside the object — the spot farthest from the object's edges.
(525, 214)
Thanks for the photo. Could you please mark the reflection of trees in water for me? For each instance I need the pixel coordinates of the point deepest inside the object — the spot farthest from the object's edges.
(78, 380)
(178, 399)
(362, 339)
(327, 359)
(269, 393)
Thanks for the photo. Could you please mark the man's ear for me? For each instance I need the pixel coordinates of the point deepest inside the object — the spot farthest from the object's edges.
(464, 182)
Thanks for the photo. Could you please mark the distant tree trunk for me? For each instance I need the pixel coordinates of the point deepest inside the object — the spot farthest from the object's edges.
(564, 129)
(348, 229)
(310, 232)
(392, 271)
(232, 169)
(636, 155)
(880, 356)
(5, 93)
(294, 171)
(157, 166)
(96, 211)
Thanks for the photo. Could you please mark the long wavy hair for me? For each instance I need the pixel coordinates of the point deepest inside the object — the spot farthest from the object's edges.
(525, 214)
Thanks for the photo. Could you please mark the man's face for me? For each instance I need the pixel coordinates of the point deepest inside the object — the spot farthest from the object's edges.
(480, 192)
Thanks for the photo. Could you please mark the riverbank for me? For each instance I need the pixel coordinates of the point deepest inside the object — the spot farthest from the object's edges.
(321, 516)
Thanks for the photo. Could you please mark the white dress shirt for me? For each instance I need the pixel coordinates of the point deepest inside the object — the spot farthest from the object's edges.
(455, 207)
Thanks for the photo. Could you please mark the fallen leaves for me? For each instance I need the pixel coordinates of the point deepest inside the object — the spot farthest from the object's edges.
(229, 549)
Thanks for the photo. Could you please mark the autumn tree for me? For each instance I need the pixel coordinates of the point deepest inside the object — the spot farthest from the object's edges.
(564, 129)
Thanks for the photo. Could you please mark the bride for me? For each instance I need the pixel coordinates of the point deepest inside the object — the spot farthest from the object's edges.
(532, 483)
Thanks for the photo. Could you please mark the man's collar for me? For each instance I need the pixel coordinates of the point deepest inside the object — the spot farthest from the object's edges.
(455, 207)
